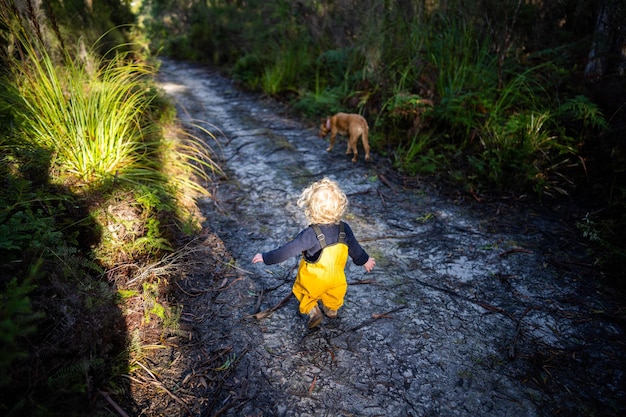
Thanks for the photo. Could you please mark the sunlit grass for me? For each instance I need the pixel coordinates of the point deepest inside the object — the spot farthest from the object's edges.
(92, 124)
(283, 74)
(188, 161)
(99, 124)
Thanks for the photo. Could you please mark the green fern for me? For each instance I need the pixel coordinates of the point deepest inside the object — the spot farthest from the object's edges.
(16, 322)
(72, 377)
(581, 108)
(73, 263)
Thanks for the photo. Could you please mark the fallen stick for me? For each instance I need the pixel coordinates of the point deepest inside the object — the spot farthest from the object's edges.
(265, 313)
(312, 386)
(495, 309)
(364, 281)
(517, 332)
(382, 197)
(194, 294)
(257, 306)
(225, 287)
(385, 181)
(515, 250)
(113, 404)
(229, 264)
(358, 193)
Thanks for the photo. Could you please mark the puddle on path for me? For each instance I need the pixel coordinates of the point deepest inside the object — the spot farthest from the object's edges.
(486, 319)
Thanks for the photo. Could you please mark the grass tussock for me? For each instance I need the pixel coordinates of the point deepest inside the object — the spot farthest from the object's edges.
(89, 122)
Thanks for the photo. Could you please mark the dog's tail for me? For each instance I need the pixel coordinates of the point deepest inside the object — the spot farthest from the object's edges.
(324, 128)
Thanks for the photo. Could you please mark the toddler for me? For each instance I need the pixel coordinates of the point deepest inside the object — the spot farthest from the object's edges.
(325, 246)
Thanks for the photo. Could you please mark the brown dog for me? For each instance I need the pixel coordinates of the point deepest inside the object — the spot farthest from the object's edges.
(351, 125)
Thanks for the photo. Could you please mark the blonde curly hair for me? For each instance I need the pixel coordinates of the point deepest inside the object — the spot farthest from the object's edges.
(323, 202)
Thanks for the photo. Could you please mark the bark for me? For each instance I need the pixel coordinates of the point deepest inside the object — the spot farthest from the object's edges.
(608, 48)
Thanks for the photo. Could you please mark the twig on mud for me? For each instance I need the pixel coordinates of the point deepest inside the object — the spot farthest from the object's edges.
(240, 147)
(224, 287)
(275, 287)
(217, 205)
(225, 408)
(228, 402)
(382, 197)
(236, 267)
(257, 305)
(374, 318)
(195, 294)
(495, 309)
(517, 332)
(289, 271)
(381, 316)
(312, 387)
(509, 315)
(113, 404)
(265, 313)
(515, 250)
(364, 281)
(385, 181)
(230, 405)
(358, 193)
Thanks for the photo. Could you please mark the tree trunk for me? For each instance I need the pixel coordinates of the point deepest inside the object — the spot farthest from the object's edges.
(608, 48)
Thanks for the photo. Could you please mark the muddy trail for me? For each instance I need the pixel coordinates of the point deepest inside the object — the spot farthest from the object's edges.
(474, 308)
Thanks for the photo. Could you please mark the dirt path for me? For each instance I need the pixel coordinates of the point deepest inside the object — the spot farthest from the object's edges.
(489, 308)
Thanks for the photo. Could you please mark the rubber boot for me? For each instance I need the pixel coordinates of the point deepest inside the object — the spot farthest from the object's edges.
(331, 314)
(315, 317)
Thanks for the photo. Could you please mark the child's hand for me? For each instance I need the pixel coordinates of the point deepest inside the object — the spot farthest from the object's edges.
(369, 265)
(257, 258)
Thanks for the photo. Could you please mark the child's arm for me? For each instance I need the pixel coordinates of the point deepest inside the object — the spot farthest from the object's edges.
(356, 252)
(305, 239)
(369, 265)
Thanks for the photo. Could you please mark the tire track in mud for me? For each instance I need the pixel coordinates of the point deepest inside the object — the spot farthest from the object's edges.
(483, 319)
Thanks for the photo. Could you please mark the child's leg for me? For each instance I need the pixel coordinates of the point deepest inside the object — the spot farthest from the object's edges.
(308, 289)
(307, 303)
(333, 298)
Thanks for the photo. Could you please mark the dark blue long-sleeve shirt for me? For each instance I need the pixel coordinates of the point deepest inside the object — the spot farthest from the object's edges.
(307, 242)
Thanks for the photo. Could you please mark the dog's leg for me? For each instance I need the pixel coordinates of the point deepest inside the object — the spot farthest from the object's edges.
(366, 144)
(332, 142)
(352, 146)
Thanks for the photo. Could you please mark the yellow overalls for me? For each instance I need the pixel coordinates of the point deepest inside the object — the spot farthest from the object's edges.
(324, 279)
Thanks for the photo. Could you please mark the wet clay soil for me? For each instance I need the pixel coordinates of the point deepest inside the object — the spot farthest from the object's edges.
(474, 308)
